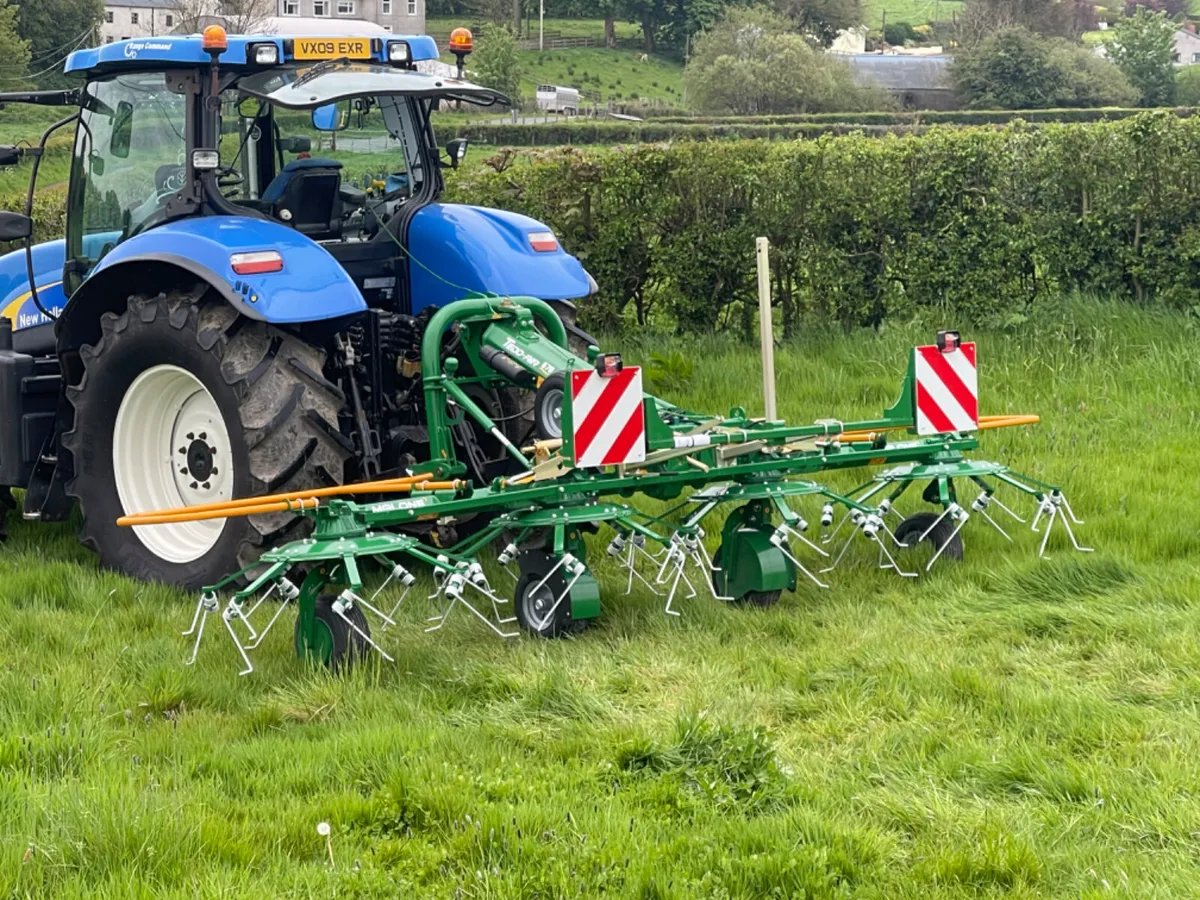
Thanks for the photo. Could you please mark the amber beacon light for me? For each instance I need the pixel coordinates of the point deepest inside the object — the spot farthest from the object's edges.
(215, 39)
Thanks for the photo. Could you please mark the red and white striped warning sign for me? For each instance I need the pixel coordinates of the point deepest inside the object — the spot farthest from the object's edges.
(607, 417)
(947, 390)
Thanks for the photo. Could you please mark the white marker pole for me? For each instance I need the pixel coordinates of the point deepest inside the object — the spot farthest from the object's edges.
(765, 325)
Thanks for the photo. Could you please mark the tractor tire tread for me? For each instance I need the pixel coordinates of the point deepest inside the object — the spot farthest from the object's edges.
(277, 408)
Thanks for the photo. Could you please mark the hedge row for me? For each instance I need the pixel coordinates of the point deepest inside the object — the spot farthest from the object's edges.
(605, 131)
(930, 117)
(977, 223)
(49, 213)
(609, 132)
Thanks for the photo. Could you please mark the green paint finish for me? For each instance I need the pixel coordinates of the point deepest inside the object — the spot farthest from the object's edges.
(314, 641)
(585, 598)
(749, 561)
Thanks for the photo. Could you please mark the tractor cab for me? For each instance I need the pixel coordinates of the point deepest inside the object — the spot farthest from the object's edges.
(330, 138)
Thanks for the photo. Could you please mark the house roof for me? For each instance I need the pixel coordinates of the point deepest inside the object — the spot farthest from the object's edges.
(143, 4)
(900, 73)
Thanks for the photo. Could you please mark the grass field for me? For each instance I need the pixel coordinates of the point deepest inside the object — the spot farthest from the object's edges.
(915, 12)
(613, 74)
(589, 28)
(1007, 727)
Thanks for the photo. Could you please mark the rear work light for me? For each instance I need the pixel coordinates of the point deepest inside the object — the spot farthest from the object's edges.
(398, 51)
(543, 241)
(257, 263)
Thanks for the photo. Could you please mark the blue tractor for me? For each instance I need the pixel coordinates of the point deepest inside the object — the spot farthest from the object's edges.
(254, 245)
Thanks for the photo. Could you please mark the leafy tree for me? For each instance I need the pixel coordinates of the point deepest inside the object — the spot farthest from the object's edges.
(982, 19)
(752, 63)
(1090, 80)
(53, 29)
(650, 14)
(822, 19)
(1142, 46)
(496, 64)
(685, 18)
(13, 50)
(1015, 69)
(1187, 86)
(899, 33)
(1173, 8)
(239, 16)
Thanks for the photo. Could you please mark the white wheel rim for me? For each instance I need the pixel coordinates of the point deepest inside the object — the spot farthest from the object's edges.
(170, 449)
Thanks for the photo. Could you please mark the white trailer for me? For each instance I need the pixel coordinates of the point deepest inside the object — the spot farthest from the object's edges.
(557, 99)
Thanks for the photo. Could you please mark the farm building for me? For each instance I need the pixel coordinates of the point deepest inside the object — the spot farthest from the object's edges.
(917, 82)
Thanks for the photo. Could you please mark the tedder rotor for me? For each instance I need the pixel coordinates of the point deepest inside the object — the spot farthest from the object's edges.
(600, 441)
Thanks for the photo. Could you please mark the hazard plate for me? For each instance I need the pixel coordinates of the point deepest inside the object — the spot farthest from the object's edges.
(332, 48)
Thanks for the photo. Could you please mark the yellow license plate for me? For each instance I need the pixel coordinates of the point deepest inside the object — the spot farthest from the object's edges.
(332, 48)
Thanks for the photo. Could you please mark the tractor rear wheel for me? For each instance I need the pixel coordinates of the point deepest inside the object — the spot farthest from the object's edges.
(184, 401)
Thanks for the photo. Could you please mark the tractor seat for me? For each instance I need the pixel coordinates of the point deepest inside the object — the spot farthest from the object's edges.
(305, 195)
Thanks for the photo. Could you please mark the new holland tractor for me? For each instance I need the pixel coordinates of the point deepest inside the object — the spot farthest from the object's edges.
(254, 247)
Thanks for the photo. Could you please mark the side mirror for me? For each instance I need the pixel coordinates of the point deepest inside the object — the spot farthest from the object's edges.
(15, 226)
(10, 156)
(122, 133)
(250, 108)
(330, 117)
(456, 149)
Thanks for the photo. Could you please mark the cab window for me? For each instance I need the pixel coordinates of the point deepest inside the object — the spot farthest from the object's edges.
(129, 159)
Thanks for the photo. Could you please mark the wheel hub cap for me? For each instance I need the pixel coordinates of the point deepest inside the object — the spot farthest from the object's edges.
(199, 464)
(170, 449)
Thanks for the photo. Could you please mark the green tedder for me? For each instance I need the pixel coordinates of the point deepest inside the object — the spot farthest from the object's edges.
(596, 442)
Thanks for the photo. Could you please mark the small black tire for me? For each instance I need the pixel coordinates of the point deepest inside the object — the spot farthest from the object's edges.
(346, 645)
(547, 407)
(762, 599)
(910, 530)
(530, 607)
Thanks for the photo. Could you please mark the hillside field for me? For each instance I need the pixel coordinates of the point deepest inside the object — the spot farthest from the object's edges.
(1007, 726)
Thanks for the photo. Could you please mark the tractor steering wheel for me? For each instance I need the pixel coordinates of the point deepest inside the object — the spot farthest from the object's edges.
(228, 176)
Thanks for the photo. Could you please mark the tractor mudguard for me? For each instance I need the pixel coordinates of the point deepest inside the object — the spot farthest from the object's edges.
(478, 250)
(312, 285)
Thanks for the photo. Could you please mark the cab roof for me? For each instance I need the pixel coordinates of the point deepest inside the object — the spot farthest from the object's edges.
(188, 50)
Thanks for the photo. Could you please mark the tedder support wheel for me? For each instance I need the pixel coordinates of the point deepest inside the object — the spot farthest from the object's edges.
(547, 407)
(533, 603)
(184, 401)
(752, 598)
(332, 642)
(910, 530)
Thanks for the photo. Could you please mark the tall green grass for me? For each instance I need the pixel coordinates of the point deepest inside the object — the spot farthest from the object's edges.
(1006, 727)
